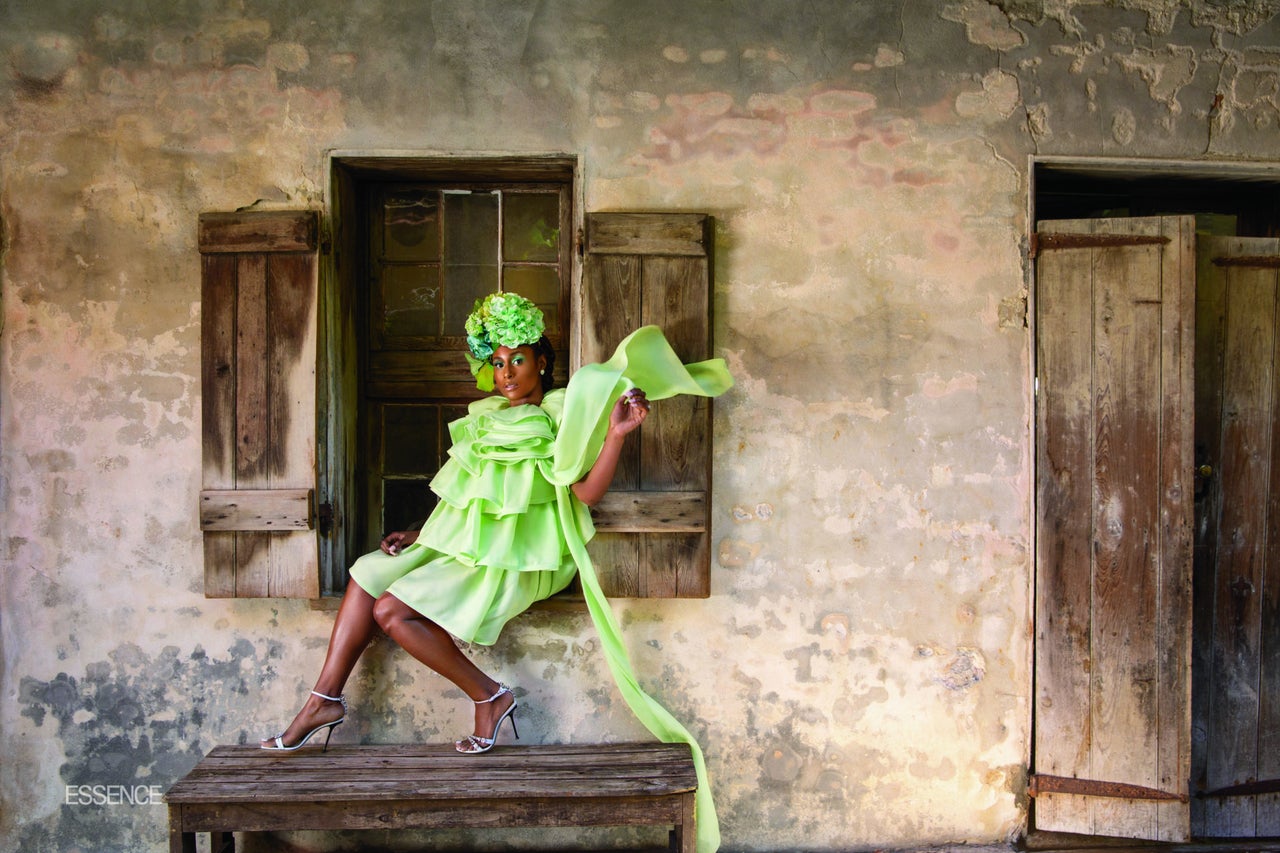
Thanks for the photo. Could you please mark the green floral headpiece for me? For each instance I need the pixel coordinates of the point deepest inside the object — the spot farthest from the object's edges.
(500, 320)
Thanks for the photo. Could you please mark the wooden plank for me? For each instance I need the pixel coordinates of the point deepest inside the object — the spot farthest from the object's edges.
(624, 757)
(662, 561)
(219, 550)
(589, 754)
(259, 231)
(415, 367)
(1246, 430)
(640, 766)
(612, 293)
(384, 814)
(1210, 334)
(693, 572)
(261, 509)
(251, 415)
(675, 446)
(1126, 405)
(686, 234)
(1268, 805)
(1176, 510)
(291, 305)
(555, 169)
(1063, 553)
(611, 308)
(253, 555)
(252, 394)
(218, 385)
(218, 366)
(633, 511)
(331, 789)
(450, 783)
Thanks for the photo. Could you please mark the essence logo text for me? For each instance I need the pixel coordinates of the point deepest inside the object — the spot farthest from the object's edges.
(113, 795)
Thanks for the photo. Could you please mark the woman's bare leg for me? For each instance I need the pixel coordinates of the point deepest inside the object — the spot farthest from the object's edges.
(352, 630)
(434, 646)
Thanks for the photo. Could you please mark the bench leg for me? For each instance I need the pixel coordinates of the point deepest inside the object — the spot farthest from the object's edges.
(222, 842)
(179, 841)
(684, 838)
(182, 842)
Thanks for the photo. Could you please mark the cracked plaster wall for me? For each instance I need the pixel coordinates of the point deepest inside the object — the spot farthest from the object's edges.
(861, 674)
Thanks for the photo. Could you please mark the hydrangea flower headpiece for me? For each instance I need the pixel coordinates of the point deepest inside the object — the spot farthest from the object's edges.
(500, 320)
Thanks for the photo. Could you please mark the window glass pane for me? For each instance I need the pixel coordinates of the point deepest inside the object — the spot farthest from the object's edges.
(405, 503)
(470, 254)
(542, 286)
(410, 438)
(531, 227)
(411, 230)
(410, 301)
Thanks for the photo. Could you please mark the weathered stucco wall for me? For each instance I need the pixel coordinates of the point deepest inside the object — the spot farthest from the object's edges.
(861, 673)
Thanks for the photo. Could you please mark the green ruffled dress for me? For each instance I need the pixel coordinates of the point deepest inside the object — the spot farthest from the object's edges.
(508, 531)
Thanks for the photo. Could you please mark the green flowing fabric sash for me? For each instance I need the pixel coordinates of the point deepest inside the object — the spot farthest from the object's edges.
(643, 360)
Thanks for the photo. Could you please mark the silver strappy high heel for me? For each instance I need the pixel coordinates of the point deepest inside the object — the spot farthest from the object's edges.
(279, 738)
(475, 744)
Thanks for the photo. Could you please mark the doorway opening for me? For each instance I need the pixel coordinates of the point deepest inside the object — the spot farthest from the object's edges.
(1228, 721)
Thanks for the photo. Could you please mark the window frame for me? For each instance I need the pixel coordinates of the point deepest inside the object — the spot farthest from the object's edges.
(343, 477)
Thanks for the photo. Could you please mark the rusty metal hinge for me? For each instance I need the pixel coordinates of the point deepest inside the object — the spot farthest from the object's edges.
(1046, 241)
(1266, 262)
(1246, 789)
(325, 518)
(1038, 784)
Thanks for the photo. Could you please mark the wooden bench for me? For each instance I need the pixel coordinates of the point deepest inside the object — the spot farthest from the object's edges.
(394, 786)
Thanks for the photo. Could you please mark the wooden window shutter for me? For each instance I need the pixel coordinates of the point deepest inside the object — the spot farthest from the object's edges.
(653, 526)
(258, 351)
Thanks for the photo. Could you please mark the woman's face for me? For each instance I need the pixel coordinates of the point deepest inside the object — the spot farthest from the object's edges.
(516, 374)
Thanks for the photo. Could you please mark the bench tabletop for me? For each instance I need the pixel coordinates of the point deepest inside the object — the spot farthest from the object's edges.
(436, 772)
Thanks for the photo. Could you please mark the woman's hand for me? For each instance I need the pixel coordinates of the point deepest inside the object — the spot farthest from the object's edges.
(394, 543)
(629, 412)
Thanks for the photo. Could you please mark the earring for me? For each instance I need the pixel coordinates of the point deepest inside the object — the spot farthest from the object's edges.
(541, 372)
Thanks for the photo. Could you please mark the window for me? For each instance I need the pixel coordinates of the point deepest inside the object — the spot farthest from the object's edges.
(432, 251)
(332, 363)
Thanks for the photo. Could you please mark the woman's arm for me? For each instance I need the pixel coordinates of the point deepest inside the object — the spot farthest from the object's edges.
(628, 413)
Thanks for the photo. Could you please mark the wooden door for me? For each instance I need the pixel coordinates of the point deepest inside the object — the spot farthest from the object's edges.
(1236, 751)
(1114, 331)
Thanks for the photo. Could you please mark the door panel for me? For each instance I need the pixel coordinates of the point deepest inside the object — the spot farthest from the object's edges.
(1114, 495)
(1237, 635)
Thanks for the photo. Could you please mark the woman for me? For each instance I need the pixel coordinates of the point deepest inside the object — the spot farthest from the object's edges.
(511, 524)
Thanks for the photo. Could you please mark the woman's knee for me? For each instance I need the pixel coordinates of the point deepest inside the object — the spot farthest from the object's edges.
(388, 610)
